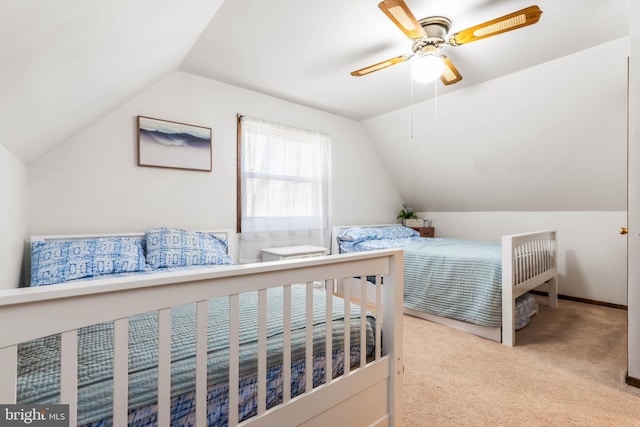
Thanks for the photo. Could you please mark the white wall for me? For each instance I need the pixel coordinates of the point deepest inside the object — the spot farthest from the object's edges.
(543, 147)
(549, 138)
(13, 218)
(91, 183)
(591, 253)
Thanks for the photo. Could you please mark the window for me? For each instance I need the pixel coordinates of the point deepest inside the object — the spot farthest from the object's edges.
(283, 179)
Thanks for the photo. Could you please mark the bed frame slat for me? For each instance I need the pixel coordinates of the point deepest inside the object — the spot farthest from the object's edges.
(69, 373)
(347, 330)
(164, 367)
(328, 351)
(309, 341)
(363, 321)
(378, 351)
(120, 371)
(8, 375)
(202, 311)
(234, 355)
(286, 350)
(262, 351)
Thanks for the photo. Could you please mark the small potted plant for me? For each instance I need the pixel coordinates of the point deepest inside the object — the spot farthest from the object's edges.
(406, 213)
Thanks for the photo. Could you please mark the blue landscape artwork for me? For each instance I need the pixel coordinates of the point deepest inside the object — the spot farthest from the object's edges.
(163, 143)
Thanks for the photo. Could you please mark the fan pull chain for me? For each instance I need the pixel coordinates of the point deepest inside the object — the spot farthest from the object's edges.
(411, 130)
(435, 100)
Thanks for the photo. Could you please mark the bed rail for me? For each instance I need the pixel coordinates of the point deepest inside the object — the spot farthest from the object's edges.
(371, 393)
(528, 261)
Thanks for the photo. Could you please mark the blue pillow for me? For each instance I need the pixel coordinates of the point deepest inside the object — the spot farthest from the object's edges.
(60, 261)
(173, 247)
(360, 234)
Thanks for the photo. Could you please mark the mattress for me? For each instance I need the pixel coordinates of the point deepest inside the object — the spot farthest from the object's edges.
(38, 360)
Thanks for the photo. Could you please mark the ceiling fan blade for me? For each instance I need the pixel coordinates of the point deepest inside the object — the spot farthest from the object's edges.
(380, 65)
(512, 21)
(401, 15)
(450, 74)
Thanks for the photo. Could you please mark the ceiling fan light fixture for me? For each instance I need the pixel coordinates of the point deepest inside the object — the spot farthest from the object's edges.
(427, 68)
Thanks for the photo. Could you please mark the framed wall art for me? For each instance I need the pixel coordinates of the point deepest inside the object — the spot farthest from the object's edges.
(167, 144)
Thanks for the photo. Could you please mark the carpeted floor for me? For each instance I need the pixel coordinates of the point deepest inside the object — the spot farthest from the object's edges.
(567, 369)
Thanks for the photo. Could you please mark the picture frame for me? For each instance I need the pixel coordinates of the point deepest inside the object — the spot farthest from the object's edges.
(174, 145)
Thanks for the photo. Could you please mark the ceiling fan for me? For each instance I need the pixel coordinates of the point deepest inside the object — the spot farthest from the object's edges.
(430, 35)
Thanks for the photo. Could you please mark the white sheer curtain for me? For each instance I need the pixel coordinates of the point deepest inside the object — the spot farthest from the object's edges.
(284, 187)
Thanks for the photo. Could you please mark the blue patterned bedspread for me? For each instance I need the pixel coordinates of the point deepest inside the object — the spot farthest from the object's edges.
(458, 279)
(453, 278)
(38, 360)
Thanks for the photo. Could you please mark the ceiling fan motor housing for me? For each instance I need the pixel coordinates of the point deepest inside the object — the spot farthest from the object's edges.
(436, 29)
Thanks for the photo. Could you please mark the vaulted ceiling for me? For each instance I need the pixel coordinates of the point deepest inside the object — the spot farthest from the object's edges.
(67, 63)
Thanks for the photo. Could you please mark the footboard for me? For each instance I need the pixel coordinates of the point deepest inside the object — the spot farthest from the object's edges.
(368, 394)
(528, 261)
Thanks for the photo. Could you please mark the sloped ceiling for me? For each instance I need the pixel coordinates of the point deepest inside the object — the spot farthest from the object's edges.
(304, 51)
(67, 63)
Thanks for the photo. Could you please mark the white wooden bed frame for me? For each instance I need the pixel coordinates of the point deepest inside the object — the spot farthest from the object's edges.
(370, 395)
(528, 261)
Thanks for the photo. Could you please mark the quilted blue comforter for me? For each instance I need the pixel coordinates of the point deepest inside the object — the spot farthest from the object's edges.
(453, 278)
(38, 370)
(459, 279)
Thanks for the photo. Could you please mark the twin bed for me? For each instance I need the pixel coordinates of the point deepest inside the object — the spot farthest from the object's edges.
(163, 328)
(479, 287)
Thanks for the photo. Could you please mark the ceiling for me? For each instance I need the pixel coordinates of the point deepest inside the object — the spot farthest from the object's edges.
(304, 51)
(69, 62)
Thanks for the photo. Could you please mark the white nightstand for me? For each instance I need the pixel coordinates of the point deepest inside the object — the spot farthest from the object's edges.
(292, 252)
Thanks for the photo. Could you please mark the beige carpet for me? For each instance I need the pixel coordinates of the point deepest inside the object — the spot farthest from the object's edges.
(567, 369)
